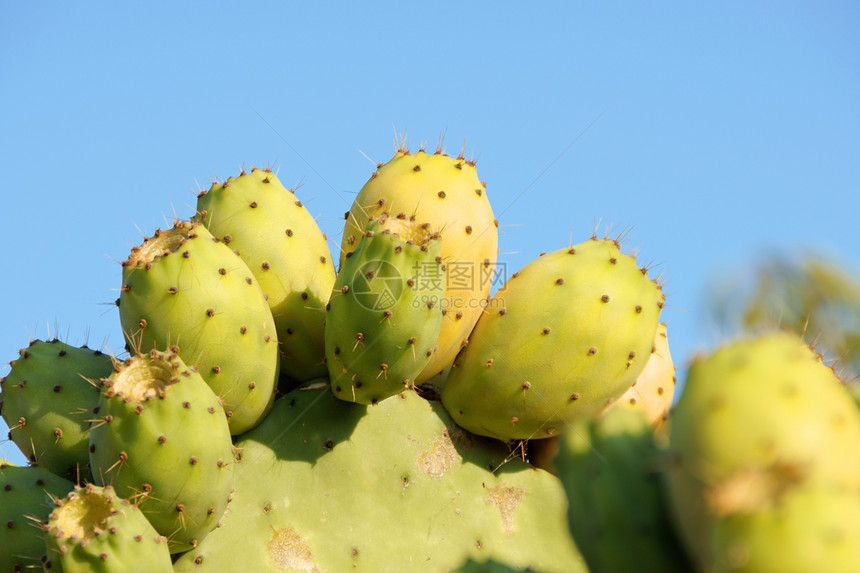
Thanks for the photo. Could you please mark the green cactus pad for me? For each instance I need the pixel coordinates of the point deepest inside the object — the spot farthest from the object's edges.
(185, 287)
(446, 193)
(26, 499)
(325, 485)
(280, 241)
(764, 473)
(385, 314)
(610, 470)
(565, 336)
(161, 439)
(47, 401)
(92, 530)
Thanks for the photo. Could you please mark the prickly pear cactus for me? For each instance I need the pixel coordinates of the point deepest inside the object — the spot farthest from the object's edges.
(326, 485)
(185, 287)
(385, 314)
(280, 241)
(47, 401)
(654, 389)
(764, 473)
(610, 468)
(26, 499)
(446, 193)
(94, 530)
(588, 307)
(161, 440)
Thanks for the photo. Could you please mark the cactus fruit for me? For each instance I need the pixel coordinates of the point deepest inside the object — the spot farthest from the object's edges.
(763, 470)
(618, 517)
(446, 193)
(280, 241)
(591, 309)
(47, 401)
(92, 530)
(391, 487)
(654, 389)
(651, 394)
(185, 287)
(26, 499)
(384, 317)
(161, 440)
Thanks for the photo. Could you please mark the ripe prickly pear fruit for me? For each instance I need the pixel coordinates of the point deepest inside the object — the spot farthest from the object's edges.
(161, 439)
(280, 241)
(185, 287)
(446, 193)
(763, 469)
(47, 401)
(618, 516)
(26, 496)
(325, 485)
(591, 309)
(384, 317)
(94, 530)
(654, 389)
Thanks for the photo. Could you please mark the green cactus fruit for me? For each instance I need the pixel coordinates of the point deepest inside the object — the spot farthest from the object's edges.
(47, 401)
(763, 469)
(618, 515)
(654, 389)
(280, 241)
(26, 499)
(591, 309)
(93, 530)
(384, 317)
(446, 193)
(161, 440)
(185, 287)
(326, 485)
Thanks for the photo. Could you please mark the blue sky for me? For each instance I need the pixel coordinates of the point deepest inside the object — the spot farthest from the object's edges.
(715, 134)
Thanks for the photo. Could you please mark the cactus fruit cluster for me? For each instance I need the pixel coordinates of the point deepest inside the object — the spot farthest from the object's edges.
(270, 412)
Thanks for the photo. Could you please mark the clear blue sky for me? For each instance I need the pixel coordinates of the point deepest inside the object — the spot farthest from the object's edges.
(715, 133)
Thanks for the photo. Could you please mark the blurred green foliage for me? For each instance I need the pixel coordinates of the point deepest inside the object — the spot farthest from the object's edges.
(808, 294)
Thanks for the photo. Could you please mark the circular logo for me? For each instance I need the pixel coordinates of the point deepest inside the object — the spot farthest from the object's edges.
(377, 285)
